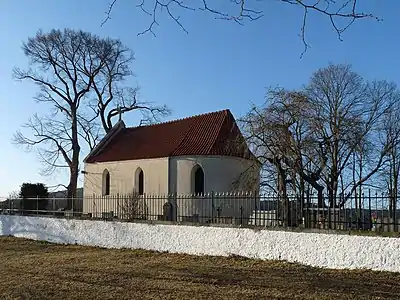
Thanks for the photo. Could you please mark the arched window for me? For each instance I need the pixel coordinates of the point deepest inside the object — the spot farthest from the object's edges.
(198, 180)
(139, 181)
(106, 183)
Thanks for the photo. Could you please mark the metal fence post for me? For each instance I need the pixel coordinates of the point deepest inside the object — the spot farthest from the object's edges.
(334, 214)
(175, 207)
(330, 212)
(93, 206)
(117, 208)
(255, 209)
(212, 206)
(37, 205)
(309, 210)
(369, 209)
(241, 215)
(115, 200)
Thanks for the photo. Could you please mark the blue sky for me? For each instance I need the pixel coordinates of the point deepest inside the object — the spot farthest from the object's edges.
(217, 65)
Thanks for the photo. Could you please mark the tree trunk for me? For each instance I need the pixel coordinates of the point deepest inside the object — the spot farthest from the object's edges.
(74, 167)
(394, 192)
(360, 193)
(321, 202)
(354, 180)
(72, 187)
(283, 199)
(301, 205)
(333, 184)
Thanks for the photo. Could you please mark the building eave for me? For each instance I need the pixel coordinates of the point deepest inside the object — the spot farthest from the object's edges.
(120, 125)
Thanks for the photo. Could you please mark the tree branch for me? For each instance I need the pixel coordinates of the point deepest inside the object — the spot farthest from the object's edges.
(333, 10)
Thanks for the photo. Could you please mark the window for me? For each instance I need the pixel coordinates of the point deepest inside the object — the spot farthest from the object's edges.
(106, 183)
(141, 184)
(139, 181)
(198, 180)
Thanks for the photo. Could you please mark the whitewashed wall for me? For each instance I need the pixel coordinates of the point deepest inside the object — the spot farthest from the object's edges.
(122, 176)
(163, 176)
(320, 250)
(122, 182)
(220, 172)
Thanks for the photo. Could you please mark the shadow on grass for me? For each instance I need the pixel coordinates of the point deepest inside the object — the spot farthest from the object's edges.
(65, 272)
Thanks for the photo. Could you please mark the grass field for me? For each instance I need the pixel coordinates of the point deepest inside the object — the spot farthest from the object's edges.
(37, 270)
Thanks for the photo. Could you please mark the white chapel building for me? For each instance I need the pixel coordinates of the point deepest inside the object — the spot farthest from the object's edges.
(192, 156)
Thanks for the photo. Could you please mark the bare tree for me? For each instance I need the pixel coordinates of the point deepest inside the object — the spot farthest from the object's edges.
(390, 133)
(316, 136)
(341, 14)
(337, 95)
(280, 136)
(67, 63)
(374, 152)
(74, 70)
(347, 111)
(10, 203)
(13, 195)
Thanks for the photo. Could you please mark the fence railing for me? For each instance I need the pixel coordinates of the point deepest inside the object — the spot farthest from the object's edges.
(371, 212)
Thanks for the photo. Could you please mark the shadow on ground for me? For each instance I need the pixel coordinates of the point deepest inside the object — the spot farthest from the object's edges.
(37, 270)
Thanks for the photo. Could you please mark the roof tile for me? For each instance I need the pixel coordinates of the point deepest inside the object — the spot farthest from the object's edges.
(213, 133)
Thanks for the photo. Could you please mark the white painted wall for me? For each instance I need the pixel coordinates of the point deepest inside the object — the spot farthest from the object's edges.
(164, 176)
(122, 182)
(220, 173)
(320, 250)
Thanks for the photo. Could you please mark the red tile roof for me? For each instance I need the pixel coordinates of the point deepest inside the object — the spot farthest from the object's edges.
(213, 133)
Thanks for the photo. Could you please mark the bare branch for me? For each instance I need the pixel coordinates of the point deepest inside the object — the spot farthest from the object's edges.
(56, 186)
(127, 101)
(90, 131)
(108, 13)
(345, 11)
(51, 140)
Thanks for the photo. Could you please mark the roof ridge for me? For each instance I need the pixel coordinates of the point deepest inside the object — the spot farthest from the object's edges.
(181, 119)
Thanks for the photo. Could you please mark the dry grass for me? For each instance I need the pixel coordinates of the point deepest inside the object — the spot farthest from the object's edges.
(36, 270)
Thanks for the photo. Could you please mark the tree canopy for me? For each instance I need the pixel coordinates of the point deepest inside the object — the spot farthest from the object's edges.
(33, 196)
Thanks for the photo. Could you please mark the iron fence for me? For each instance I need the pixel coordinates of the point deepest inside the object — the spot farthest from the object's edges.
(373, 212)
